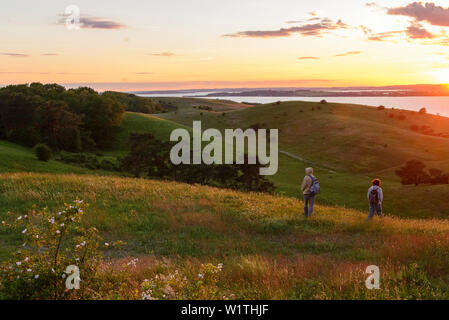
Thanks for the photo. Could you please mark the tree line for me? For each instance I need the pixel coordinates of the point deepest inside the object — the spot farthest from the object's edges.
(413, 173)
(73, 120)
(135, 103)
(150, 157)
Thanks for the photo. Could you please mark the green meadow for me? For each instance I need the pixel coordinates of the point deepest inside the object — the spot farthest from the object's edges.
(268, 250)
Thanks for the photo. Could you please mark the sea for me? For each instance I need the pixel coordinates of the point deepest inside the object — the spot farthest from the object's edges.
(434, 105)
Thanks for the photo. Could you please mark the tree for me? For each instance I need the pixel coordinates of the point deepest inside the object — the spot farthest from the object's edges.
(413, 173)
(423, 111)
(148, 156)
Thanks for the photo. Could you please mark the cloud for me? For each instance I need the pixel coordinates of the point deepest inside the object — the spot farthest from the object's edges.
(162, 54)
(99, 23)
(314, 29)
(383, 36)
(14, 55)
(417, 31)
(428, 12)
(308, 58)
(143, 73)
(89, 22)
(349, 53)
(50, 54)
(365, 30)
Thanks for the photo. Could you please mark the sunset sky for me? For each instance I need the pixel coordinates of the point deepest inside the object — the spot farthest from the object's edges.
(140, 44)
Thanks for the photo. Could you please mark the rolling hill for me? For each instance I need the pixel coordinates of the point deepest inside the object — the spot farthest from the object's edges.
(349, 145)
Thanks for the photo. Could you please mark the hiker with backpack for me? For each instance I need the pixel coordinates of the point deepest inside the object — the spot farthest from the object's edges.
(310, 188)
(375, 197)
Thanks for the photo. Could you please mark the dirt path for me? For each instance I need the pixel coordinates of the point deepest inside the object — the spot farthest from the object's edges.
(291, 155)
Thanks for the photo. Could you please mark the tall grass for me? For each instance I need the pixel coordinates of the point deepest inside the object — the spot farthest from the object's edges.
(268, 250)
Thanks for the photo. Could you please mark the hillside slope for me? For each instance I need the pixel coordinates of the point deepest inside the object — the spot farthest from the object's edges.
(349, 145)
(342, 186)
(269, 251)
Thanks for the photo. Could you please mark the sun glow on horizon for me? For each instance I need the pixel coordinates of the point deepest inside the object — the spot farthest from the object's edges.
(265, 44)
(441, 76)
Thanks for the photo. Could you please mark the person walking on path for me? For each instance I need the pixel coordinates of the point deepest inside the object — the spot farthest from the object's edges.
(310, 188)
(375, 197)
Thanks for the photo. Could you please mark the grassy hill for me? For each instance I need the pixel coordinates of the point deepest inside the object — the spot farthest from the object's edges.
(348, 145)
(15, 158)
(141, 123)
(268, 250)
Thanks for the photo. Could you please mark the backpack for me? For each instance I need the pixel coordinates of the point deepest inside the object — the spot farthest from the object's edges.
(374, 196)
(315, 187)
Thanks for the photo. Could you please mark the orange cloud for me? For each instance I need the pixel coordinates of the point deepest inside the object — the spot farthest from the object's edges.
(315, 29)
(428, 12)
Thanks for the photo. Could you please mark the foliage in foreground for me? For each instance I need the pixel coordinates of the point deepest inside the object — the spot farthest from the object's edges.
(53, 241)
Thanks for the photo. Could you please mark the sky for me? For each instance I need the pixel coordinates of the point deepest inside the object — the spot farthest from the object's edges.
(178, 44)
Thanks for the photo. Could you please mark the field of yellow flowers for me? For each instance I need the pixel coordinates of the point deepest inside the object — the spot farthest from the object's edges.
(187, 242)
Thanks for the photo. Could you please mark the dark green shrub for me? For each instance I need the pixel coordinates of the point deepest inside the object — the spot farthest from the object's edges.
(43, 152)
(107, 165)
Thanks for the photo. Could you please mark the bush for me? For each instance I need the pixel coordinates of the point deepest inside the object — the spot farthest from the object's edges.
(90, 161)
(381, 108)
(52, 242)
(323, 101)
(423, 111)
(108, 165)
(207, 108)
(43, 152)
